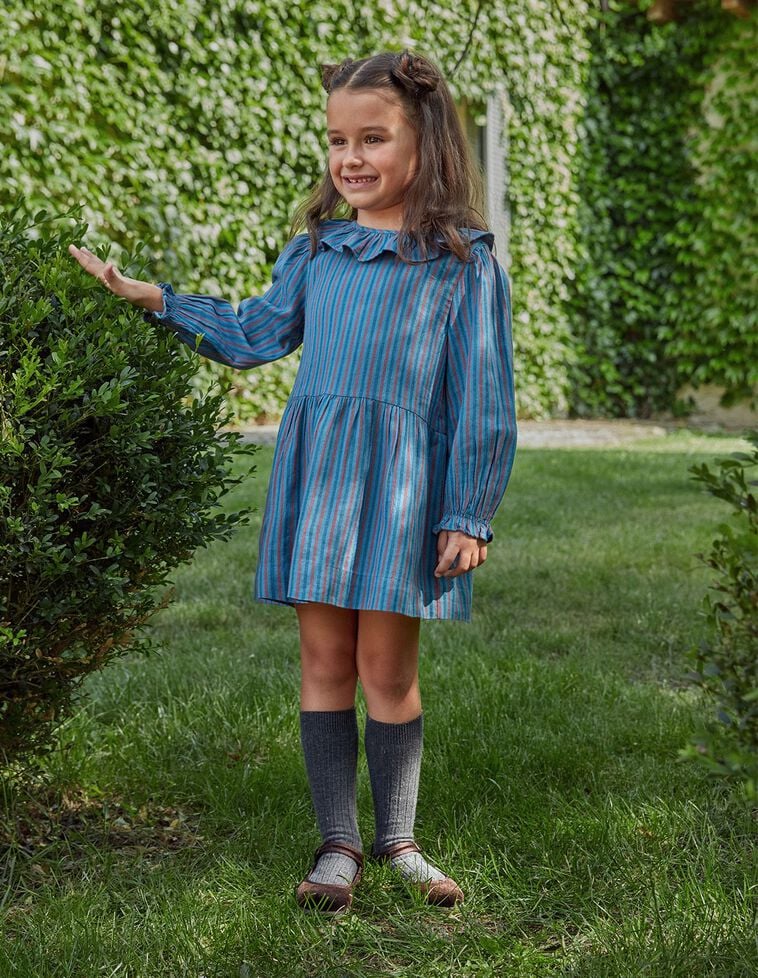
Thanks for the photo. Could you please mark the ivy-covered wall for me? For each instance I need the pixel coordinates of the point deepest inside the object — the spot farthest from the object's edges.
(665, 286)
(195, 127)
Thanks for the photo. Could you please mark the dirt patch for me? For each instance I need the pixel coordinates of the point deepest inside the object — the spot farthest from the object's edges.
(52, 821)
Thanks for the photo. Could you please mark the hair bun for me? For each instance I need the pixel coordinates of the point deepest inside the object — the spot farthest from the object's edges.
(416, 73)
(330, 72)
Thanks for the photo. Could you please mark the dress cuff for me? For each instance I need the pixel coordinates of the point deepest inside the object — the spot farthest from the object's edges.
(149, 316)
(466, 523)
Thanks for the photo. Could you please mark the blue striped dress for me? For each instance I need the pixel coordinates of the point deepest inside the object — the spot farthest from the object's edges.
(401, 421)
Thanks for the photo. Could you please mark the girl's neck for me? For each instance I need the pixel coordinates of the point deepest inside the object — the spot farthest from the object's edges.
(390, 219)
(373, 228)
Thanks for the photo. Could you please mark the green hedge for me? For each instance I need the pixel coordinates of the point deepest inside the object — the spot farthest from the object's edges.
(111, 476)
(196, 129)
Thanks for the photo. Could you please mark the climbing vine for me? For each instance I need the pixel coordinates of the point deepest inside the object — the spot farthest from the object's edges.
(196, 128)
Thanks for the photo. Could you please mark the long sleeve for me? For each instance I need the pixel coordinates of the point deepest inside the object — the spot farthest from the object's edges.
(264, 328)
(480, 400)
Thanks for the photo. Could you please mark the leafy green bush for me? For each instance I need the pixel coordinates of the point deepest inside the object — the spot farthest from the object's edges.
(110, 475)
(726, 666)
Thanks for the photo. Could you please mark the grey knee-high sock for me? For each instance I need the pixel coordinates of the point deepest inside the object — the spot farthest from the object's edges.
(393, 752)
(330, 747)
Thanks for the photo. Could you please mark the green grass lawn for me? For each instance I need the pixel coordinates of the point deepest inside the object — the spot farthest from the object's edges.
(178, 822)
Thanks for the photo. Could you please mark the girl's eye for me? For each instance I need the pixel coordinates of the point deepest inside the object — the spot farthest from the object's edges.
(337, 139)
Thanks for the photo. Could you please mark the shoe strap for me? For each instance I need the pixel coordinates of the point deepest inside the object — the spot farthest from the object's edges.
(398, 849)
(341, 847)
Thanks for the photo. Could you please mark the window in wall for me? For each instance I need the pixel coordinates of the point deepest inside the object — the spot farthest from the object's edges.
(482, 123)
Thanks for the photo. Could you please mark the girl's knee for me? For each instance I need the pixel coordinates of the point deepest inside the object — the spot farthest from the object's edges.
(388, 677)
(327, 662)
(387, 655)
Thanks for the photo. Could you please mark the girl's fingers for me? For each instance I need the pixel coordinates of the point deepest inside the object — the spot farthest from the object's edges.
(105, 272)
(73, 249)
(446, 561)
(89, 262)
(451, 552)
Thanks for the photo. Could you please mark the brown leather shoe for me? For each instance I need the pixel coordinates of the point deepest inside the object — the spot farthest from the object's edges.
(441, 893)
(329, 897)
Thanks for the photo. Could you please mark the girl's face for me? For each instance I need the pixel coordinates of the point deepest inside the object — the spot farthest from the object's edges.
(369, 136)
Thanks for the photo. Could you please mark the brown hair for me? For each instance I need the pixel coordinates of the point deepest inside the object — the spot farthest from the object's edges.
(447, 191)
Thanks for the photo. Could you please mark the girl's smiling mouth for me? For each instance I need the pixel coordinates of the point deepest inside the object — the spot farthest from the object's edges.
(359, 181)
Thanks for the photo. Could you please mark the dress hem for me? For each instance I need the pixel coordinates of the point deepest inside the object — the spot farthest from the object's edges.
(293, 599)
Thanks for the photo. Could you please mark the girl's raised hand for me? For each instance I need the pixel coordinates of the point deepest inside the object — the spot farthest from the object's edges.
(470, 551)
(130, 289)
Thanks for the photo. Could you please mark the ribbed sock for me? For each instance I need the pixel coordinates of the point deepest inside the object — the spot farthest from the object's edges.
(330, 747)
(393, 752)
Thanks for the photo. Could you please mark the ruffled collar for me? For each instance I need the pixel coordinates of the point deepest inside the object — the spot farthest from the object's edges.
(366, 243)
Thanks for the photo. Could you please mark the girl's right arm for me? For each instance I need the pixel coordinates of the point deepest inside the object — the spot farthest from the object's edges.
(262, 329)
(139, 293)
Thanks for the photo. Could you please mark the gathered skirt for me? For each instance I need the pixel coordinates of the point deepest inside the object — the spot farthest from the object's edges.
(356, 486)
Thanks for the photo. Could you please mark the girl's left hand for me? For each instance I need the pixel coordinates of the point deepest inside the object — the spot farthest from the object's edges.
(470, 551)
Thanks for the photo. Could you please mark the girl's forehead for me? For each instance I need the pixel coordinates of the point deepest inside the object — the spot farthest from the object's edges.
(346, 109)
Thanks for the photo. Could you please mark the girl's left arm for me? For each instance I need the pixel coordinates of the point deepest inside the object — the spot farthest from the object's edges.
(264, 327)
(481, 409)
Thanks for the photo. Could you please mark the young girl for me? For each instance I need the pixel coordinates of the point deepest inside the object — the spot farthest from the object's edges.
(395, 446)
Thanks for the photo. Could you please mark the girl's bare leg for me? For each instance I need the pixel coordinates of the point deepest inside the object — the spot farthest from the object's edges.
(328, 638)
(387, 663)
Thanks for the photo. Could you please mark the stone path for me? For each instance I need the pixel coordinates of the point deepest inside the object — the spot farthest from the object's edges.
(536, 434)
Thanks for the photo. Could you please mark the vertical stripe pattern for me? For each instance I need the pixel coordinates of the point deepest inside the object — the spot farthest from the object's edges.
(401, 421)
